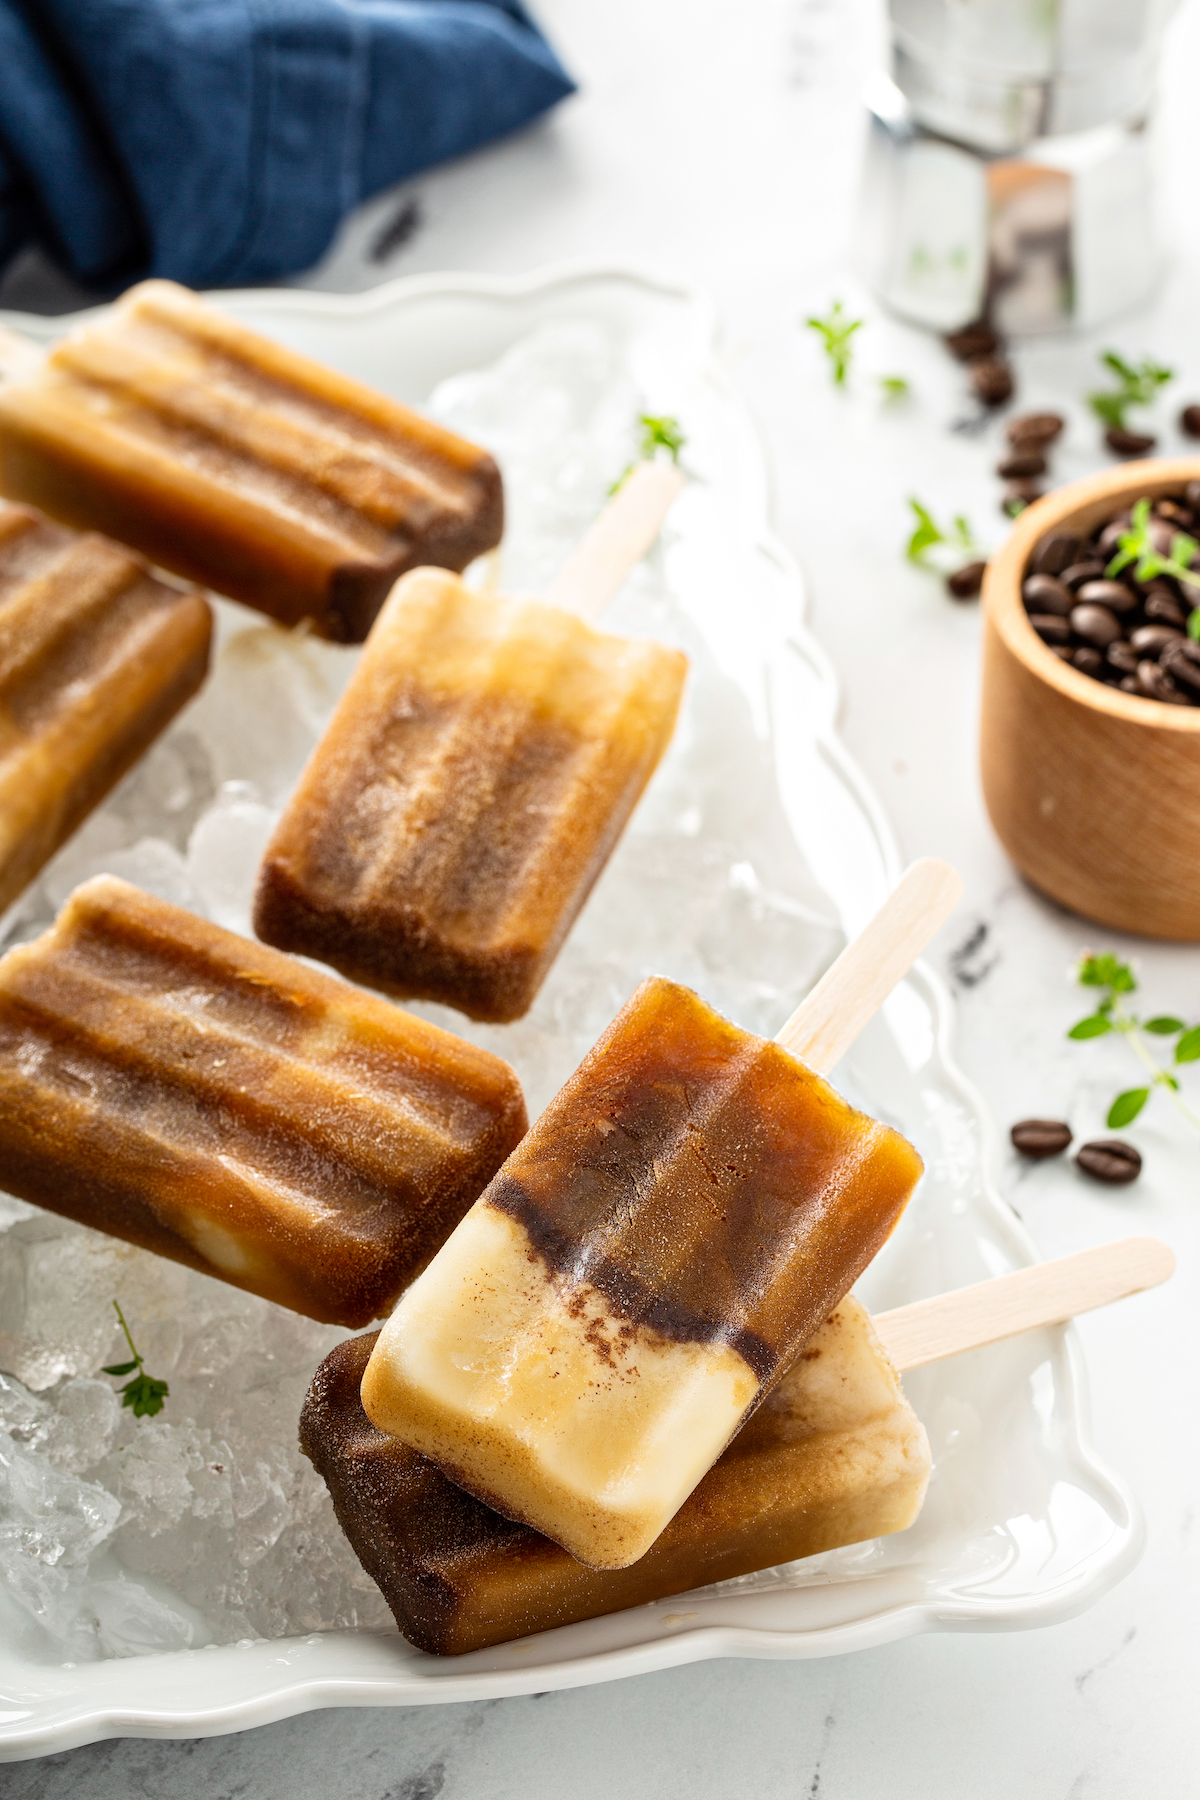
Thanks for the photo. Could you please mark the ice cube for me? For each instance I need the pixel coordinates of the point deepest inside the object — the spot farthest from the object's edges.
(131, 1622)
(224, 852)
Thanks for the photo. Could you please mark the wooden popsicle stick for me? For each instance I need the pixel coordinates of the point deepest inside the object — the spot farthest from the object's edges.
(1047, 1294)
(828, 1020)
(616, 541)
(17, 354)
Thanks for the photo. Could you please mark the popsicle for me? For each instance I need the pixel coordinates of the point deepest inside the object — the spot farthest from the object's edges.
(96, 657)
(653, 1255)
(835, 1455)
(483, 762)
(178, 1086)
(239, 464)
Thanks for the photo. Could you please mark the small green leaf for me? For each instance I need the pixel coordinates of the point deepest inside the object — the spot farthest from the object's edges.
(1126, 1107)
(1107, 971)
(145, 1395)
(895, 387)
(1164, 1026)
(1095, 1025)
(1188, 1048)
(1165, 1080)
(660, 432)
(1193, 624)
(119, 1368)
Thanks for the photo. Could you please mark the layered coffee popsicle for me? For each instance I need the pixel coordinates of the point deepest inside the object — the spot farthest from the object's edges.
(192, 1092)
(654, 1254)
(96, 657)
(834, 1455)
(240, 464)
(474, 780)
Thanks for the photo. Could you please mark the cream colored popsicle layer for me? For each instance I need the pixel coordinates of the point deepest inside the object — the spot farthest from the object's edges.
(206, 1098)
(833, 1456)
(96, 657)
(632, 1283)
(237, 463)
(474, 780)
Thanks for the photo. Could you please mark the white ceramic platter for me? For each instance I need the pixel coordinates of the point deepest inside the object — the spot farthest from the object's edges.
(1022, 1526)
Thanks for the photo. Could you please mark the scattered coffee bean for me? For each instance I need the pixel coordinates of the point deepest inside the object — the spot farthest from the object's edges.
(1128, 684)
(966, 582)
(1079, 572)
(1112, 594)
(1152, 640)
(972, 341)
(1162, 608)
(1050, 628)
(1095, 625)
(1035, 428)
(1022, 467)
(1189, 421)
(1110, 1160)
(1122, 657)
(1040, 1137)
(1129, 443)
(991, 380)
(1046, 594)
(1088, 660)
(1156, 684)
(1053, 553)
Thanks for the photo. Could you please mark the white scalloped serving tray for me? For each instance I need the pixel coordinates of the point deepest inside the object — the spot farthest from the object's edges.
(1022, 1526)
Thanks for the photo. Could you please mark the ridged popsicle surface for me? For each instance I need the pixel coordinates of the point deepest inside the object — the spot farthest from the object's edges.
(96, 657)
(240, 464)
(209, 1099)
(467, 793)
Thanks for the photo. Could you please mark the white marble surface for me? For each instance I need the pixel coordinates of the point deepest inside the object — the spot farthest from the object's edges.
(721, 145)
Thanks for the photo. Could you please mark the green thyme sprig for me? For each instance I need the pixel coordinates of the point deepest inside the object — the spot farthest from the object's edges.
(928, 535)
(835, 332)
(1115, 981)
(1137, 384)
(895, 387)
(658, 431)
(1136, 546)
(144, 1393)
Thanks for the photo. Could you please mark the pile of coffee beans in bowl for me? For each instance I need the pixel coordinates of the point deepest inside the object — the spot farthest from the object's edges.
(1117, 605)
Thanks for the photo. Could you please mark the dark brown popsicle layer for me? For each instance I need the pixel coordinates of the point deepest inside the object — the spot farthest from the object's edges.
(239, 464)
(833, 1457)
(96, 657)
(195, 1093)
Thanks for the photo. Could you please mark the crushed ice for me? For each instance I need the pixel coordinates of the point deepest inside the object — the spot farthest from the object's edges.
(121, 1537)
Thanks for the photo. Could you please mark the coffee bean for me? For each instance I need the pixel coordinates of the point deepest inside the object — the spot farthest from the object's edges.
(972, 341)
(966, 582)
(1191, 495)
(1110, 1160)
(1053, 553)
(1078, 573)
(1162, 608)
(1035, 428)
(1095, 625)
(1088, 660)
(1063, 652)
(1128, 684)
(1181, 660)
(1022, 467)
(1122, 657)
(1152, 640)
(1113, 532)
(1156, 684)
(1046, 594)
(1189, 421)
(1128, 443)
(1051, 629)
(1175, 515)
(991, 380)
(1112, 594)
(1040, 1137)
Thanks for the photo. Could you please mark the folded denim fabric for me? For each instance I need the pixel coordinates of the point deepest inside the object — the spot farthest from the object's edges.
(222, 141)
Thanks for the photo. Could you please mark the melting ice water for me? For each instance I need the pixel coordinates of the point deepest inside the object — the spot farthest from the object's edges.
(119, 1536)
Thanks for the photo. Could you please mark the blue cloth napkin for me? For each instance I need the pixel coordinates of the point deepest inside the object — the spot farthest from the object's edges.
(222, 141)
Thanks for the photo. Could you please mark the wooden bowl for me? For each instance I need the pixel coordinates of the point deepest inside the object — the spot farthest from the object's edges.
(1095, 794)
